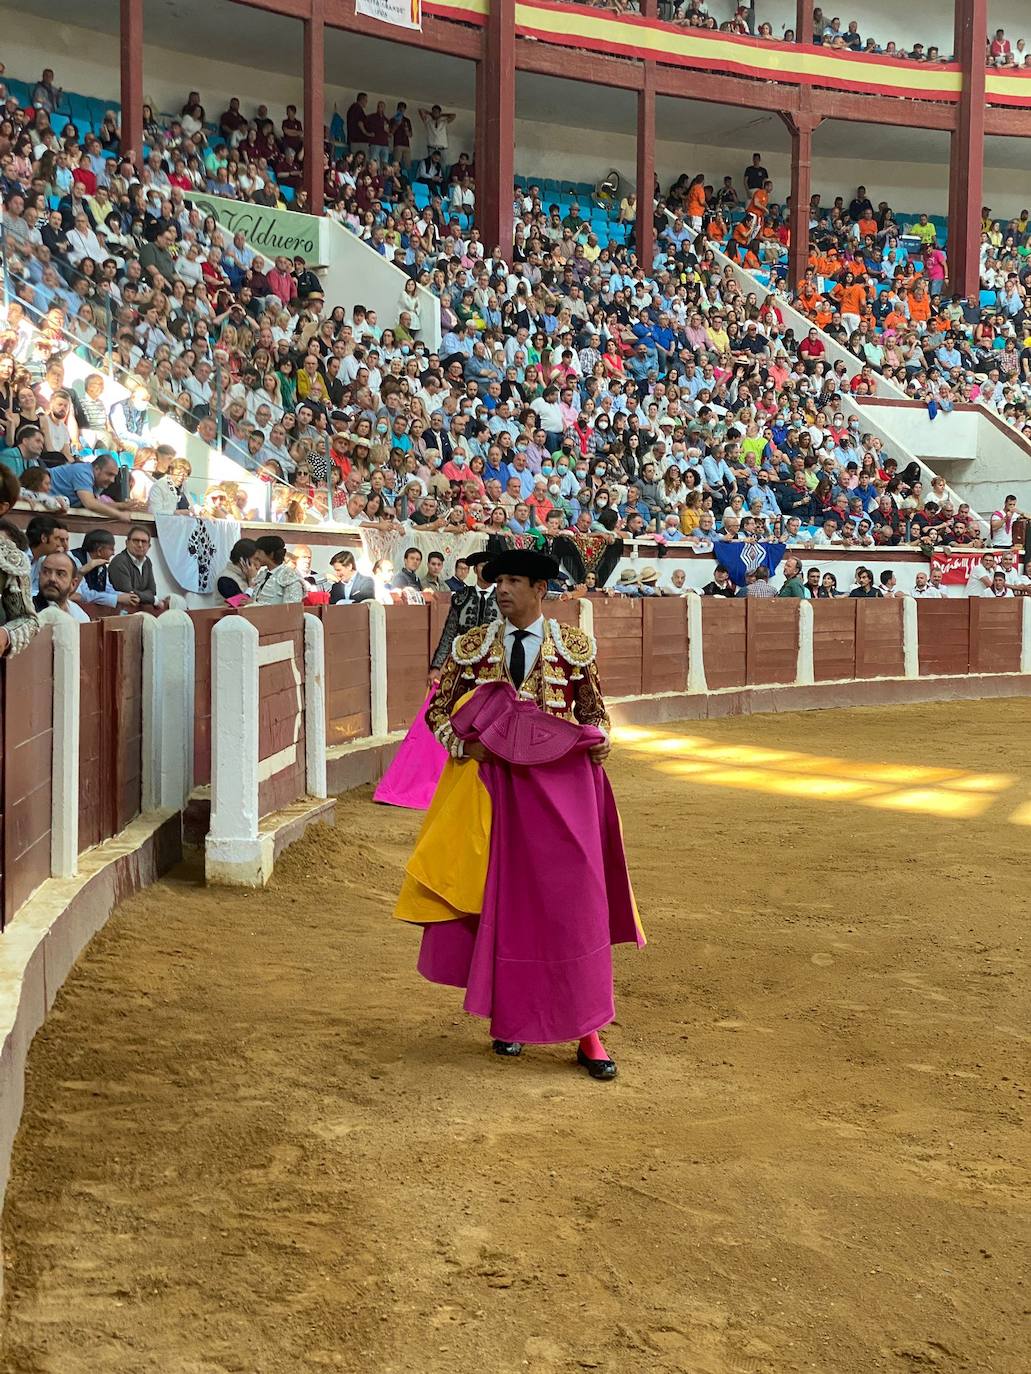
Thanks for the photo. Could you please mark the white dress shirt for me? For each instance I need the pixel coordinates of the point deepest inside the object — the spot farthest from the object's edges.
(534, 638)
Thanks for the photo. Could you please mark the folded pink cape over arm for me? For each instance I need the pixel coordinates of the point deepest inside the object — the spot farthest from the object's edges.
(538, 960)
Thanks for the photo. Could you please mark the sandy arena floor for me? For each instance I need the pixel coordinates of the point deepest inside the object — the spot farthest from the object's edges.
(256, 1141)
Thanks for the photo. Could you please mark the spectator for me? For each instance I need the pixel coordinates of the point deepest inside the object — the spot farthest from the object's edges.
(793, 585)
(234, 582)
(865, 587)
(132, 571)
(18, 623)
(45, 95)
(59, 576)
(349, 585)
(277, 581)
(721, 584)
(407, 576)
(93, 556)
(760, 584)
(436, 121)
(85, 486)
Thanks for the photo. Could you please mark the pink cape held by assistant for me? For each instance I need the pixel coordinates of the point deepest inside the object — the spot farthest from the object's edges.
(530, 934)
(412, 777)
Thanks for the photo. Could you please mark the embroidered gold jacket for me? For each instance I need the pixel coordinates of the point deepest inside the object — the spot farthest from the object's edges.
(563, 681)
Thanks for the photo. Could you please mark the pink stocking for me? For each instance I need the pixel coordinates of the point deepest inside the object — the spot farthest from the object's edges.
(592, 1046)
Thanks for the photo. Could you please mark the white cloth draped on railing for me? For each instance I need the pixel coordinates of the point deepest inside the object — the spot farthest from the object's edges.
(195, 551)
(391, 544)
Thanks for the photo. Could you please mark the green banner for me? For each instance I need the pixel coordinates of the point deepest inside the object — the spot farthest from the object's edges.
(270, 232)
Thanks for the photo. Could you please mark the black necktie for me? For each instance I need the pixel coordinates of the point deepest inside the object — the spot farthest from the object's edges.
(517, 665)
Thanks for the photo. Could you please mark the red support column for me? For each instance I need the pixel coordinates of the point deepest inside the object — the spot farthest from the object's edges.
(801, 127)
(966, 170)
(644, 229)
(315, 107)
(131, 46)
(479, 154)
(495, 180)
(804, 21)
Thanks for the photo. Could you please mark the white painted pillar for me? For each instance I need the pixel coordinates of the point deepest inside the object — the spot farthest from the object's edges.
(177, 660)
(1025, 634)
(910, 638)
(805, 673)
(235, 854)
(168, 677)
(378, 667)
(586, 610)
(152, 708)
(696, 683)
(314, 706)
(64, 815)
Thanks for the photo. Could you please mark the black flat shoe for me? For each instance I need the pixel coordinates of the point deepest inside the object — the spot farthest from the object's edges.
(602, 1069)
(508, 1049)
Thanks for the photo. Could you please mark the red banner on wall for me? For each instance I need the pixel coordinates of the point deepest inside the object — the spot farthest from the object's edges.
(957, 567)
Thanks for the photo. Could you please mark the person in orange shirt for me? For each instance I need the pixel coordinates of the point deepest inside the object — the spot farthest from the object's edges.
(743, 234)
(851, 298)
(717, 230)
(919, 307)
(695, 203)
(823, 314)
(760, 201)
(809, 297)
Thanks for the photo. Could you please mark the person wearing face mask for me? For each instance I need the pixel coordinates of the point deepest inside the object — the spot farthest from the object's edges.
(568, 482)
(600, 435)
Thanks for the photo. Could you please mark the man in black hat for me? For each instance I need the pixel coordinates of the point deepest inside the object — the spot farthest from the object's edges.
(470, 606)
(548, 664)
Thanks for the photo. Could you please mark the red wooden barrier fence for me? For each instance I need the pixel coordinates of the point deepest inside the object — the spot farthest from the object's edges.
(879, 651)
(281, 766)
(348, 700)
(663, 645)
(618, 628)
(995, 634)
(724, 642)
(771, 640)
(834, 639)
(408, 661)
(110, 726)
(28, 749)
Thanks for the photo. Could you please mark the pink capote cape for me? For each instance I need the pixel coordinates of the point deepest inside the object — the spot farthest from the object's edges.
(412, 777)
(537, 962)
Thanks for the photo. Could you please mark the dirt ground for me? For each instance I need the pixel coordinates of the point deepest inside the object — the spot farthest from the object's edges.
(254, 1140)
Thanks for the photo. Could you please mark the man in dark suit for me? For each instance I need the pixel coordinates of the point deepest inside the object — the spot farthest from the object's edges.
(350, 586)
(470, 606)
(132, 571)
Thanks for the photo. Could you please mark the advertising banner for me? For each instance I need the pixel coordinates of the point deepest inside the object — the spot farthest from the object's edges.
(269, 232)
(404, 14)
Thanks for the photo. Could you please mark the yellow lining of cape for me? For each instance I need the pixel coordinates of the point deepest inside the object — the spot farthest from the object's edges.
(447, 872)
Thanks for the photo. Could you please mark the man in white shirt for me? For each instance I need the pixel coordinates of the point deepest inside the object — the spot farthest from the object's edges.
(59, 576)
(436, 121)
(925, 590)
(1014, 577)
(979, 583)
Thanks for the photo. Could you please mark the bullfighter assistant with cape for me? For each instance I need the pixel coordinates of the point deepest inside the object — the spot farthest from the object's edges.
(519, 876)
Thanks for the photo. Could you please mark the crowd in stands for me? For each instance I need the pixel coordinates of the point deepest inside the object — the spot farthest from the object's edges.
(847, 36)
(572, 390)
